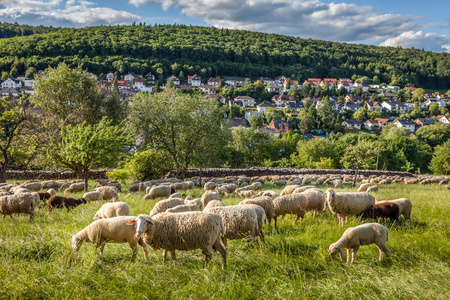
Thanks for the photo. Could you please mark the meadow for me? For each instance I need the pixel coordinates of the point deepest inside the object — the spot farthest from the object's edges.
(37, 262)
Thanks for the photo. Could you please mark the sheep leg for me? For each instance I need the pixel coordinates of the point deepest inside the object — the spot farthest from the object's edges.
(349, 254)
(224, 241)
(144, 248)
(31, 216)
(222, 251)
(174, 257)
(383, 250)
(275, 221)
(263, 240)
(11, 217)
(355, 250)
(207, 254)
(102, 246)
(135, 250)
(164, 255)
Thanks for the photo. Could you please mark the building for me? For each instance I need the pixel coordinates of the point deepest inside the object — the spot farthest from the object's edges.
(11, 83)
(194, 80)
(246, 101)
(394, 106)
(235, 123)
(213, 81)
(275, 89)
(424, 122)
(263, 106)
(234, 80)
(150, 78)
(130, 76)
(281, 126)
(110, 77)
(408, 124)
(208, 89)
(282, 100)
(175, 80)
(351, 124)
(443, 119)
(373, 105)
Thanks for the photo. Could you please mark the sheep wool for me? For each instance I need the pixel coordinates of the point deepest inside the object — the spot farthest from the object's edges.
(158, 192)
(17, 204)
(315, 200)
(112, 230)
(33, 186)
(108, 193)
(182, 231)
(348, 204)
(261, 219)
(183, 208)
(365, 234)
(197, 202)
(290, 204)
(266, 203)
(373, 189)
(111, 210)
(93, 196)
(52, 192)
(214, 203)
(246, 194)
(405, 206)
(289, 189)
(363, 187)
(75, 187)
(208, 196)
(164, 205)
(37, 198)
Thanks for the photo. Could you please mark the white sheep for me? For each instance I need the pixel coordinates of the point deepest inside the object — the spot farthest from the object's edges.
(365, 234)
(257, 186)
(289, 189)
(246, 194)
(52, 192)
(93, 196)
(75, 187)
(268, 193)
(363, 187)
(315, 200)
(50, 185)
(261, 218)
(266, 203)
(373, 188)
(158, 192)
(108, 193)
(182, 231)
(111, 210)
(222, 190)
(208, 196)
(197, 202)
(17, 204)
(214, 203)
(210, 186)
(111, 230)
(290, 204)
(183, 208)
(348, 204)
(404, 205)
(164, 205)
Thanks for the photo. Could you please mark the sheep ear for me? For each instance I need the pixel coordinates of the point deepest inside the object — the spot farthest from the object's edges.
(324, 194)
(131, 222)
(341, 254)
(149, 221)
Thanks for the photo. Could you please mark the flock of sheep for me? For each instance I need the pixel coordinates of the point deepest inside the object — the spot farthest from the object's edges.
(206, 223)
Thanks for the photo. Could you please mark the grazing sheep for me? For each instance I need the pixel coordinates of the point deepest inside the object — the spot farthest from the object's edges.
(214, 203)
(244, 188)
(134, 187)
(52, 192)
(231, 187)
(108, 193)
(210, 186)
(405, 206)
(246, 194)
(348, 204)
(67, 202)
(289, 189)
(266, 203)
(208, 196)
(363, 187)
(21, 190)
(382, 210)
(164, 205)
(239, 221)
(44, 196)
(337, 183)
(183, 208)
(269, 193)
(365, 234)
(37, 198)
(65, 185)
(33, 186)
(17, 204)
(111, 210)
(290, 204)
(261, 218)
(315, 200)
(197, 202)
(183, 231)
(281, 182)
(93, 196)
(102, 182)
(75, 187)
(111, 230)
(373, 189)
(257, 186)
(176, 195)
(302, 189)
(50, 185)
(222, 190)
(158, 192)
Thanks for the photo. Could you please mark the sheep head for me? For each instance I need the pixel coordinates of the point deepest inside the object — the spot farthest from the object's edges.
(333, 249)
(142, 223)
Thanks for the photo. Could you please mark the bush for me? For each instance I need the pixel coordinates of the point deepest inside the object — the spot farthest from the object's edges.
(120, 175)
(149, 164)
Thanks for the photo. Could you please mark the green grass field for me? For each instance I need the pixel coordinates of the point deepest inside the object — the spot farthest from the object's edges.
(36, 260)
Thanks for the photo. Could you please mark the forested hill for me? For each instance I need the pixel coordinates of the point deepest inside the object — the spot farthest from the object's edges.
(8, 30)
(169, 49)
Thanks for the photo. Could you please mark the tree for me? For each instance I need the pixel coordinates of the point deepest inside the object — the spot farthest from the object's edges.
(440, 164)
(274, 114)
(236, 112)
(433, 109)
(178, 124)
(114, 108)
(87, 146)
(256, 122)
(170, 84)
(306, 122)
(326, 112)
(361, 155)
(360, 114)
(433, 135)
(418, 95)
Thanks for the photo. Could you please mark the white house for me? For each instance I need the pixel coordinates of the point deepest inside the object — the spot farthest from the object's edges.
(208, 89)
(194, 80)
(346, 84)
(373, 105)
(274, 88)
(130, 76)
(444, 119)
(393, 88)
(9, 92)
(394, 106)
(246, 101)
(363, 85)
(268, 80)
(263, 106)
(352, 107)
(234, 80)
(213, 81)
(408, 124)
(249, 113)
(110, 77)
(352, 124)
(175, 80)
(281, 100)
(150, 78)
(11, 83)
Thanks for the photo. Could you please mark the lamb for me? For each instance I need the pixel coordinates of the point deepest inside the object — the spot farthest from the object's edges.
(17, 204)
(158, 192)
(239, 221)
(111, 210)
(348, 204)
(44, 196)
(52, 192)
(363, 187)
(208, 196)
(214, 203)
(222, 190)
(164, 205)
(93, 196)
(290, 204)
(373, 189)
(75, 187)
(382, 210)
(289, 189)
(111, 230)
(67, 202)
(183, 231)
(365, 234)
(134, 187)
(405, 206)
(183, 208)
(266, 203)
(197, 202)
(108, 193)
(246, 194)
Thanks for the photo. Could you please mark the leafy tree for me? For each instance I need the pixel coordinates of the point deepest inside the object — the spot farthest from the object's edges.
(87, 146)
(310, 152)
(433, 109)
(433, 135)
(418, 95)
(327, 114)
(374, 114)
(170, 84)
(250, 147)
(236, 112)
(440, 164)
(274, 114)
(362, 155)
(149, 164)
(256, 122)
(306, 122)
(361, 114)
(177, 124)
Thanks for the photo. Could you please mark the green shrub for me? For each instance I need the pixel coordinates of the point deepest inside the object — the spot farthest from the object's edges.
(149, 164)
(120, 175)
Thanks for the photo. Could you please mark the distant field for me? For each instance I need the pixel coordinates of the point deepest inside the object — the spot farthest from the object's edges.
(36, 259)
(434, 91)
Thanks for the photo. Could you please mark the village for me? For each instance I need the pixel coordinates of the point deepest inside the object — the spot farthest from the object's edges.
(355, 102)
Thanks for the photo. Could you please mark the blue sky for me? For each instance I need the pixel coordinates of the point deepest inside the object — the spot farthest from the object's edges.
(413, 23)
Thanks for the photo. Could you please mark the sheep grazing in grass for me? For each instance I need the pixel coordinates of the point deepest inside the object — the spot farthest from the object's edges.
(158, 192)
(75, 187)
(183, 208)
(280, 182)
(266, 203)
(405, 206)
(50, 185)
(111, 210)
(261, 218)
(108, 193)
(363, 187)
(382, 210)
(182, 231)
(33, 186)
(348, 204)
(37, 198)
(176, 195)
(257, 186)
(197, 202)
(222, 190)
(214, 203)
(290, 204)
(268, 193)
(111, 230)
(208, 196)
(315, 200)
(289, 189)
(239, 221)
(231, 187)
(354, 237)
(44, 196)
(246, 194)
(302, 189)
(210, 186)
(164, 205)
(373, 189)
(17, 204)
(67, 202)
(20, 190)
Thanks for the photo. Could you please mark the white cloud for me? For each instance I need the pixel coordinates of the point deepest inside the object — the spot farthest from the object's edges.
(62, 13)
(421, 40)
(305, 18)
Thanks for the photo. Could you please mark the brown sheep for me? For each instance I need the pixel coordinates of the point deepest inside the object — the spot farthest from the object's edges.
(384, 210)
(67, 202)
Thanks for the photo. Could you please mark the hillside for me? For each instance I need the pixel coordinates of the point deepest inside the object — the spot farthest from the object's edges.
(207, 51)
(8, 30)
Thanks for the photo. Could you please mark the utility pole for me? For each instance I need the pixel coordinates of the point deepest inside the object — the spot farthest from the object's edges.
(378, 152)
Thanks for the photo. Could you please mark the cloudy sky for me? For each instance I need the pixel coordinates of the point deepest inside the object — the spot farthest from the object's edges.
(412, 23)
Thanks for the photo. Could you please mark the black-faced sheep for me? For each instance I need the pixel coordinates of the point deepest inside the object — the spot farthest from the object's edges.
(382, 210)
(67, 202)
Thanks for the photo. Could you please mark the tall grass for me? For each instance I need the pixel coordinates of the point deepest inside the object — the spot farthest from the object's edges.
(36, 259)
